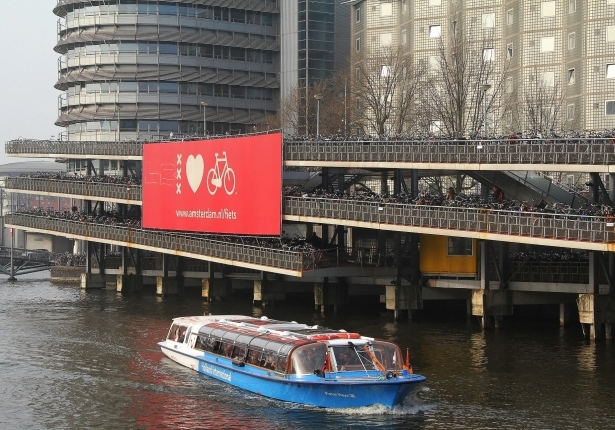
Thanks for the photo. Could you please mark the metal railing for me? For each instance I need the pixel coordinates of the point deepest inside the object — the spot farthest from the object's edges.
(76, 188)
(512, 223)
(497, 151)
(560, 151)
(570, 272)
(579, 228)
(174, 241)
(40, 147)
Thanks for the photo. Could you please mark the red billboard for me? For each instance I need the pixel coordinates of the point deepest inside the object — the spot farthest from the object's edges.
(229, 185)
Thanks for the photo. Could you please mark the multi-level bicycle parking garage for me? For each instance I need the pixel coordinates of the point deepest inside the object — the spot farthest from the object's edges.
(389, 269)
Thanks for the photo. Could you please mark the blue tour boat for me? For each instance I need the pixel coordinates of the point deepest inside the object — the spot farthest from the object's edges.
(310, 365)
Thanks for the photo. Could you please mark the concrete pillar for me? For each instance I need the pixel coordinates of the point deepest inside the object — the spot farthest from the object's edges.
(503, 264)
(166, 286)
(397, 180)
(215, 288)
(127, 284)
(384, 185)
(594, 190)
(341, 181)
(484, 265)
(319, 296)
(331, 292)
(491, 305)
(325, 178)
(596, 312)
(594, 266)
(403, 300)
(267, 291)
(93, 281)
(414, 182)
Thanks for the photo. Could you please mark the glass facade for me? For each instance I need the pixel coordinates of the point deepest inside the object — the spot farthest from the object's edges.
(172, 61)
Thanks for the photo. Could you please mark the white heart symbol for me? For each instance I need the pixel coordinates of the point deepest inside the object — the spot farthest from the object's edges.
(194, 171)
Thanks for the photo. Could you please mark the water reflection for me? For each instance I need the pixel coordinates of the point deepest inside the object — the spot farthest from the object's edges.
(77, 359)
(587, 357)
(477, 351)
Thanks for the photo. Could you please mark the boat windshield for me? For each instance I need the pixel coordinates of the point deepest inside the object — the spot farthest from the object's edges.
(177, 333)
(380, 356)
(307, 358)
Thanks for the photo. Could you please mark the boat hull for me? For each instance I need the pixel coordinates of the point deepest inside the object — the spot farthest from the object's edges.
(308, 390)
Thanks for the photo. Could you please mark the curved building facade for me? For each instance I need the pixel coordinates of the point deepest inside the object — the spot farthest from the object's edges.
(145, 69)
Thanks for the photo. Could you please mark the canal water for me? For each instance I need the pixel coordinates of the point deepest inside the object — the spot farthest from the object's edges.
(72, 359)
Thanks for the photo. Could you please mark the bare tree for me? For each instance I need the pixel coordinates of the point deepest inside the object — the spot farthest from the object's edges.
(290, 115)
(460, 74)
(385, 87)
(543, 103)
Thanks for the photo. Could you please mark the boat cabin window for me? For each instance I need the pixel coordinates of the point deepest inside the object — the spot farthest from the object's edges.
(307, 358)
(388, 354)
(255, 356)
(350, 358)
(201, 343)
(177, 333)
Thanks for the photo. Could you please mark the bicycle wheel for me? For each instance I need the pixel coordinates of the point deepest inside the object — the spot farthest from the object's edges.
(211, 187)
(229, 181)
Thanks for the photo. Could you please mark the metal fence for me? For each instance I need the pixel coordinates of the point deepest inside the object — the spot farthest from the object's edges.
(40, 147)
(561, 151)
(529, 224)
(173, 241)
(76, 188)
(514, 223)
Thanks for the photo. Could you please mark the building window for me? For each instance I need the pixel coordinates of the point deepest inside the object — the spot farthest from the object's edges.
(488, 54)
(358, 45)
(386, 9)
(435, 30)
(358, 14)
(435, 126)
(547, 79)
(547, 44)
(569, 112)
(547, 9)
(610, 33)
(572, 6)
(435, 2)
(357, 73)
(434, 62)
(508, 85)
(386, 39)
(404, 6)
(571, 76)
(385, 71)
(488, 20)
(509, 50)
(403, 37)
(570, 179)
(610, 107)
(571, 41)
(610, 71)
(510, 16)
(460, 246)
(508, 118)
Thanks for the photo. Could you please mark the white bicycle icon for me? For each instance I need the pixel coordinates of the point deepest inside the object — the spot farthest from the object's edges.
(217, 178)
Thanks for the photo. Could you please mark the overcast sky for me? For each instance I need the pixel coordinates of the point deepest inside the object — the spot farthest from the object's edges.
(28, 71)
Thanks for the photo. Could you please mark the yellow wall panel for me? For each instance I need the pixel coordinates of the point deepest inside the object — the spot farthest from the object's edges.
(434, 258)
